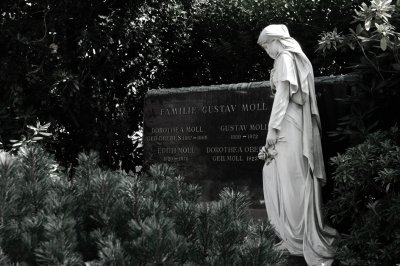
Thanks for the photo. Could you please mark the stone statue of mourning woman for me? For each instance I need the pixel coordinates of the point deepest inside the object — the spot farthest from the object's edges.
(292, 180)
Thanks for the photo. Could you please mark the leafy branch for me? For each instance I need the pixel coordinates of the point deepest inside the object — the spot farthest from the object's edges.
(38, 132)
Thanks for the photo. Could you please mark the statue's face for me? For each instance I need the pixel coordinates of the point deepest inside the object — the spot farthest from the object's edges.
(272, 47)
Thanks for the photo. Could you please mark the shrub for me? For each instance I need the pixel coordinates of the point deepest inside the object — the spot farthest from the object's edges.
(105, 217)
(366, 200)
(375, 40)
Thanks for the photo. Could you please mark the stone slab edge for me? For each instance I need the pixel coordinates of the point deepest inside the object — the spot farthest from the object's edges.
(319, 81)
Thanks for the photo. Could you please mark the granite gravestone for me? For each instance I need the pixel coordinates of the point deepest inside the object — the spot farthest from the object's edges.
(211, 134)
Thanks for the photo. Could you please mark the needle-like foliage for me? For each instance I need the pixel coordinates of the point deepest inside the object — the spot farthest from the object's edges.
(105, 217)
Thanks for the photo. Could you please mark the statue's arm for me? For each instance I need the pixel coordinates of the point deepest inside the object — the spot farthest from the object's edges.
(279, 107)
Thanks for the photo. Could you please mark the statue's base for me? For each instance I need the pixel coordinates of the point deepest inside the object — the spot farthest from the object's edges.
(299, 261)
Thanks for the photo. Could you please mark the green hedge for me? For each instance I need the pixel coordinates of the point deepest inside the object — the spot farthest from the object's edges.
(53, 216)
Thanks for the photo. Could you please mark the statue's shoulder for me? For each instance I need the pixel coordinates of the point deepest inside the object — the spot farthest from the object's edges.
(284, 58)
(285, 55)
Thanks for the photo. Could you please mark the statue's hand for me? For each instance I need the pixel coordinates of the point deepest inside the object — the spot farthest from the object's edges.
(272, 136)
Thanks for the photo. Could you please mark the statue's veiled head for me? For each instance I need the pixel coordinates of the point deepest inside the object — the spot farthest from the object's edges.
(275, 38)
(273, 32)
(270, 38)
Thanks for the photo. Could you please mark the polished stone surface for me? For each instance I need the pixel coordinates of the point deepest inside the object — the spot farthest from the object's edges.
(212, 134)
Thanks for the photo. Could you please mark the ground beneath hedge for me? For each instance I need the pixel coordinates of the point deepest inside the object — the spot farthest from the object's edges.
(296, 261)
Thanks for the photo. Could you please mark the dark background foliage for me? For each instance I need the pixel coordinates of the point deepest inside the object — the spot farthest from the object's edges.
(85, 66)
(374, 40)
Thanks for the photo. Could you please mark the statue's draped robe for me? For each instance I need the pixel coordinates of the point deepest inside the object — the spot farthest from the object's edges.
(292, 181)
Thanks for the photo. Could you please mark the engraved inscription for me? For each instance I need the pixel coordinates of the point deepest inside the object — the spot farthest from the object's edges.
(172, 110)
(190, 110)
(243, 127)
(185, 150)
